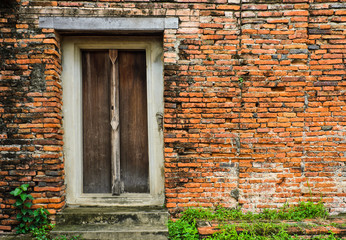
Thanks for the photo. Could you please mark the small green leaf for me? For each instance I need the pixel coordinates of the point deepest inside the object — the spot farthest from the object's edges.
(28, 204)
(17, 191)
(24, 187)
(18, 203)
(30, 197)
(23, 196)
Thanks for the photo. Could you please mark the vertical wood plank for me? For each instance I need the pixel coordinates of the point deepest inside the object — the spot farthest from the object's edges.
(134, 158)
(114, 121)
(96, 128)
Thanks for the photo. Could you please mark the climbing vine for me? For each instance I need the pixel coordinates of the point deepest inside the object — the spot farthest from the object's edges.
(28, 219)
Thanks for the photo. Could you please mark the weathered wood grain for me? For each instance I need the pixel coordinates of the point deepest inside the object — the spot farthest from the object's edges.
(96, 128)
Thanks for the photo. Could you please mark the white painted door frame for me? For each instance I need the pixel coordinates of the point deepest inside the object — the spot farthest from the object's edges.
(73, 127)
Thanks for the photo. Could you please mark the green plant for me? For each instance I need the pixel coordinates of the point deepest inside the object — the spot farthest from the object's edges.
(42, 233)
(259, 226)
(230, 233)
(241, 80)
(182, 229)
(28, 219)
(304, 210)
(191, 214)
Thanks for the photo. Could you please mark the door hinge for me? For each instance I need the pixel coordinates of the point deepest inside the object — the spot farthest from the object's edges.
(159, 120)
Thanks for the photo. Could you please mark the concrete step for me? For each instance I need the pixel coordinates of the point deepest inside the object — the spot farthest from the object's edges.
(102, 231)
(113, 215)
(145, 223)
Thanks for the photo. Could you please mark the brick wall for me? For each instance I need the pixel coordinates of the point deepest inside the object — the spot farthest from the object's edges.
(254, 101)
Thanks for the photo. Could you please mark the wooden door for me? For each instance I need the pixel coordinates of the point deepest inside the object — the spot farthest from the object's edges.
(115, 157)
(96, 127)
(133, 121)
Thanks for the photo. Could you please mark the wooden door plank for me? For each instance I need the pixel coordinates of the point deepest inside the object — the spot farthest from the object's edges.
(114, 120)
(134, 158)
(96, 128)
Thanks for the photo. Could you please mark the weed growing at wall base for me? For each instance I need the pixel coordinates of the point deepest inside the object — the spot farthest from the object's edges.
(43, 233)
(182, 229)
(264, 225)
(28, 219)
(34, 221)
(304, 210)
(230, 233)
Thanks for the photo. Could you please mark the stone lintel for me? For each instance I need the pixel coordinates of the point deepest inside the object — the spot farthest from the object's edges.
(108, 23)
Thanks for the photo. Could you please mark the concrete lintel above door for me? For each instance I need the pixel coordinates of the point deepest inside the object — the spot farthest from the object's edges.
(108, 23)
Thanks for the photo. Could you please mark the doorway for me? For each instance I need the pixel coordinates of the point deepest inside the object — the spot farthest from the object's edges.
(113, 95)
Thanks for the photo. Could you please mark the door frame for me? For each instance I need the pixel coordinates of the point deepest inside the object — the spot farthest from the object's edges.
(73, 127)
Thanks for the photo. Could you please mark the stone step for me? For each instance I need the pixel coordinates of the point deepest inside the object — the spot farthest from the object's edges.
(121, 216)
(145, 223)
(103, 231)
